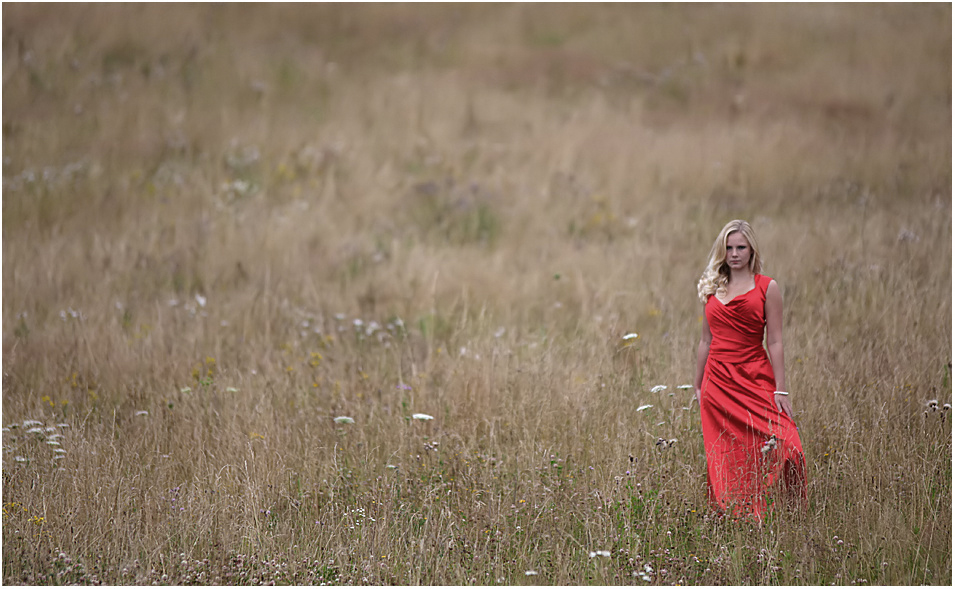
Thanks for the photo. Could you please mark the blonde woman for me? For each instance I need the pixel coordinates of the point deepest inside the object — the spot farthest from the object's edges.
(751, 441)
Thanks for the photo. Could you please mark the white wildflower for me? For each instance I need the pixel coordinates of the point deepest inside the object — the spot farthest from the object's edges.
(663, 444)
(35, 430)
(658, 388)
(344, 419)
(32, 423)
(769, 446)
(142, 412)
(605, 553)
(422, 417)
(52, 443)
(19, 458)
(530, 573)
(684, 387)
(631, 336)
(201, 300)
(231, 390)
(643, 407)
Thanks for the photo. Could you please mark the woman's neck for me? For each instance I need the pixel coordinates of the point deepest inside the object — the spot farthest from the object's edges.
(743, 275)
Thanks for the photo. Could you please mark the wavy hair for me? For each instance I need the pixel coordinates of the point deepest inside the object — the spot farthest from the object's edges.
(716, 275)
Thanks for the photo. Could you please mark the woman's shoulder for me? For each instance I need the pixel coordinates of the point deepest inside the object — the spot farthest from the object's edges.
(762, 281)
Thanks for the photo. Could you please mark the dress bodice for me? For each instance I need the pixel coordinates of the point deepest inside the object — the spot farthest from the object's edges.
(738, 326)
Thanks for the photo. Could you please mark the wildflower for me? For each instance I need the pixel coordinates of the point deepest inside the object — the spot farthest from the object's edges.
(530, 573)
(231, 390)
(201, 300)
(946, 407)
(35, 430)
(344, 419)
(664, 444)
(769, 446)
(684, 387)
(52, 443)
(20, 459)
(32, 423)
(658, 388)
(932, 405)
(605, 553)
(631, 336)
(185, 390)
(422, 417)
(643, 407)
(142, 413)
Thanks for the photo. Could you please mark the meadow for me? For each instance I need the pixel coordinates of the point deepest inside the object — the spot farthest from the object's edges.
(345, 294)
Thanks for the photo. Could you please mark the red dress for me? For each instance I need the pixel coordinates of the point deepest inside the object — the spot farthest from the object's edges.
(751, 446)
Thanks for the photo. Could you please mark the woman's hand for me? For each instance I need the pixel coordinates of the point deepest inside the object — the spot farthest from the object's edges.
(696, 397)
(784, 405)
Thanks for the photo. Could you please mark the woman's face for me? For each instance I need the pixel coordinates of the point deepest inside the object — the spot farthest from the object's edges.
(738, 251)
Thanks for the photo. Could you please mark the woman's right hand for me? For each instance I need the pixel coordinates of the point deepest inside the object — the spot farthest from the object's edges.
(696, 397)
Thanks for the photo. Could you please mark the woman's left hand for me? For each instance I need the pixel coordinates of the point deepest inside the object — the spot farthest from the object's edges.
(784, 405)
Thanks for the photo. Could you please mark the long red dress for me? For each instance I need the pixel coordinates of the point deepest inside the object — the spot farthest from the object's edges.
(752, 448)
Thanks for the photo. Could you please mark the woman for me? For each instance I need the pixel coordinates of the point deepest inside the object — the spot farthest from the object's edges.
(751, 441)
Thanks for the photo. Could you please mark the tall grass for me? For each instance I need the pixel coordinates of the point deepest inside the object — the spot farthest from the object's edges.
(225, 226)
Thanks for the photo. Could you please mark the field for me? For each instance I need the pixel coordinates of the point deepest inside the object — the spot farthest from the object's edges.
(246, 249)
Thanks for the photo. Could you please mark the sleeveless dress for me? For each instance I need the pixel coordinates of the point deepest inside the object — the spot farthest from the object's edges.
(752, 449)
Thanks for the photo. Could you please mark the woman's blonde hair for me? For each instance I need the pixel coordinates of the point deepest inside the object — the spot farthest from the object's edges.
(717, 273)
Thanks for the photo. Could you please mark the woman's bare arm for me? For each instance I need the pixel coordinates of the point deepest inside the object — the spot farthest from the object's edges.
(774, 343)
(702, 352)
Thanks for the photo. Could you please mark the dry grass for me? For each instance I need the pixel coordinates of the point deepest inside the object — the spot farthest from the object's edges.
(200, 203)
